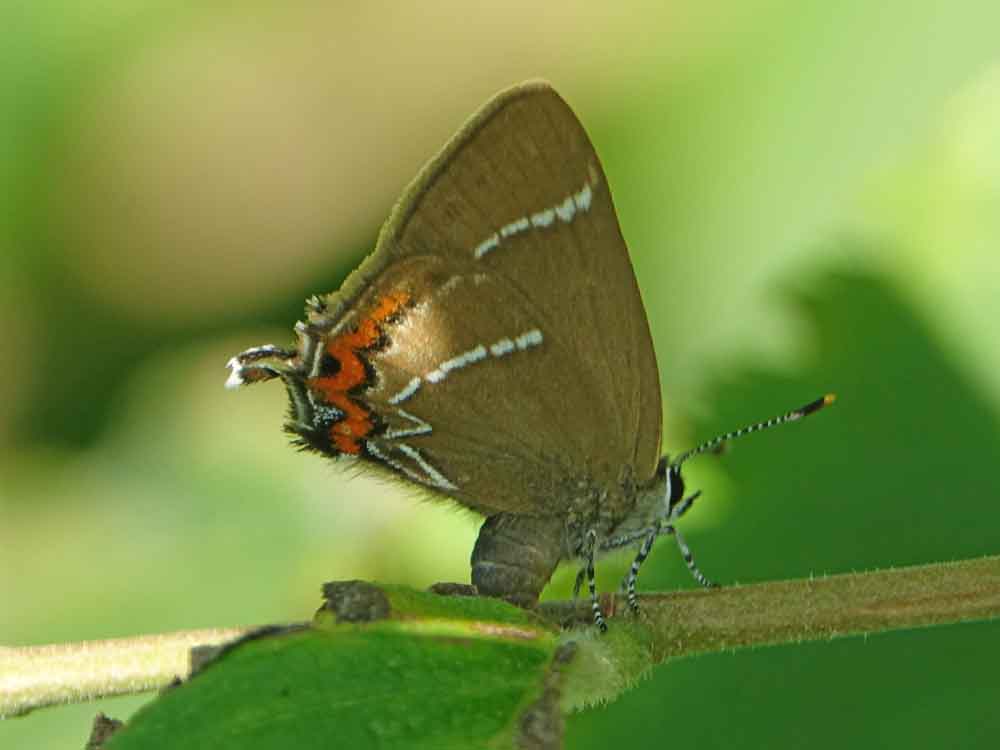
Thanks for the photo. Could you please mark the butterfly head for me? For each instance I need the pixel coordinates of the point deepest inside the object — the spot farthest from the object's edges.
(669, 474)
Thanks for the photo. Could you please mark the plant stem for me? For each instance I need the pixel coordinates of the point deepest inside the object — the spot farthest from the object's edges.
(36, 676)
(686, 623)
(671, 625)
(809, 609)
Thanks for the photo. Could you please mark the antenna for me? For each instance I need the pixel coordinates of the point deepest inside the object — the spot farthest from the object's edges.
(792, 416)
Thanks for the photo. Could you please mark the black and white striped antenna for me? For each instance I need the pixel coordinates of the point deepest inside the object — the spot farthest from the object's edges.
(792, 416)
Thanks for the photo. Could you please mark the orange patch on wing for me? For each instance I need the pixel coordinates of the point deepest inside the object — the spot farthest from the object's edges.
(346, 433)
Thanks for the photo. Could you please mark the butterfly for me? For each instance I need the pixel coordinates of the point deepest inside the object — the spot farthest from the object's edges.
(494, 350)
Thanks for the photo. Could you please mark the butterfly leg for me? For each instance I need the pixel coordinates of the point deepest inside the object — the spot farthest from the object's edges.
(676, 512)
(640, 558)
(595, 605)
(689, 559)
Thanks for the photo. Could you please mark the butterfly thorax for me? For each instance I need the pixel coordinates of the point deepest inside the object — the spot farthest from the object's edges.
(651, 504)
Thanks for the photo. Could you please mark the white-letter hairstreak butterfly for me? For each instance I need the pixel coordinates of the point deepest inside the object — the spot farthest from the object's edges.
(494, 350)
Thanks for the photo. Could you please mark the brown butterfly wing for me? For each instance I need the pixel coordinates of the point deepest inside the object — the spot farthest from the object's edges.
(523, 366)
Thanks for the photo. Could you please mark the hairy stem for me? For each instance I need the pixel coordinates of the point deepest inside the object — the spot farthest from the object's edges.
(808, 609)
(671, 625)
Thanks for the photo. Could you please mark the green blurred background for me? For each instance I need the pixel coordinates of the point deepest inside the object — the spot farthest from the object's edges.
(811, 195)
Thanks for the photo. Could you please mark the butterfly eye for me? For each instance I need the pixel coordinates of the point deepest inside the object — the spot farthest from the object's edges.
(676, 485)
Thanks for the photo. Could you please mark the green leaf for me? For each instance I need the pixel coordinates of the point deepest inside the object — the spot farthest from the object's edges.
(439, 672)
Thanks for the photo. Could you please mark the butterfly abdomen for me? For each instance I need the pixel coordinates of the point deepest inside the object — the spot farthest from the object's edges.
(515, 556)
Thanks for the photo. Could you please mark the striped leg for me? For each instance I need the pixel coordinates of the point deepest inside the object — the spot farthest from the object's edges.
(595, 605)
(640, 558)
(617, 542)
(689, 559)
(649, 536)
